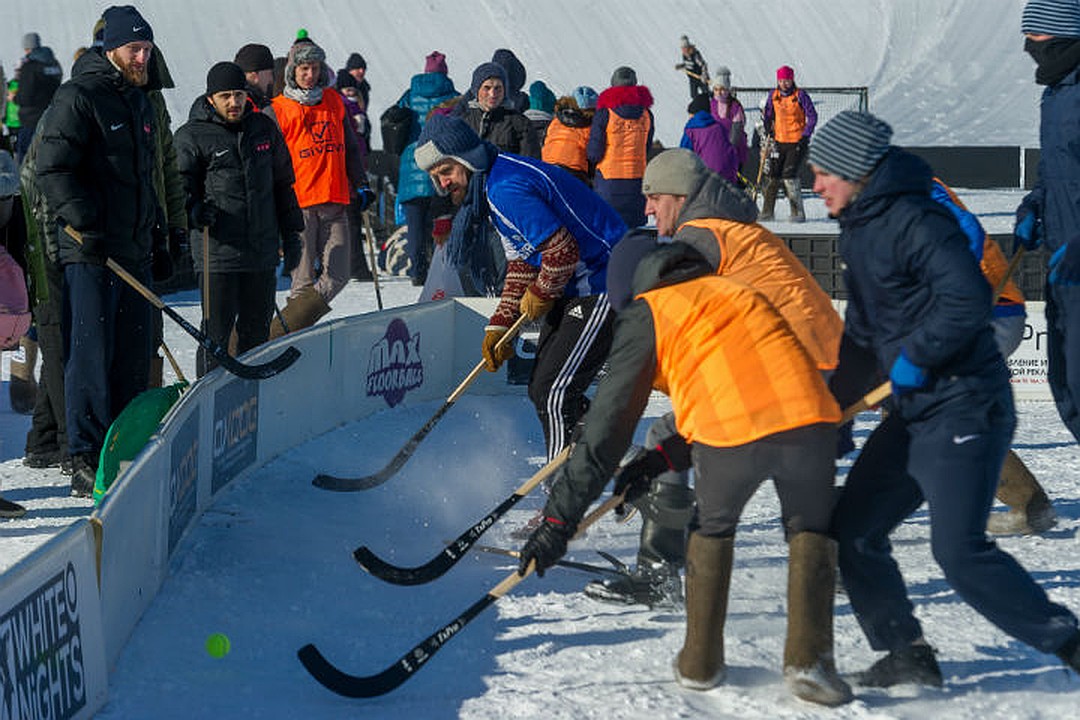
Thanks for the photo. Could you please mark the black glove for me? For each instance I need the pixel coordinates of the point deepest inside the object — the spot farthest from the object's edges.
(290, 251)
(161, 264)
(203, 214)
(178, 244)
(365, 196)
(845, 442)
(546, 546)
(635, 476)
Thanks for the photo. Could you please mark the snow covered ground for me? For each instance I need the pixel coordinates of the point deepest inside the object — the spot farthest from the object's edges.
(270, 563)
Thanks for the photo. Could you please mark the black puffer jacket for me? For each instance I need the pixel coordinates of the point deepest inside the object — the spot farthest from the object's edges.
(95, 164)
(242, 169)
(503, 127)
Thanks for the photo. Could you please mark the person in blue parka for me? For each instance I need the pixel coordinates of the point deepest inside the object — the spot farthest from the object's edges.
(919, 312)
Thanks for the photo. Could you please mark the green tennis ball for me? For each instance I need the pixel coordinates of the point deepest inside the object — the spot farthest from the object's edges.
(217, 645)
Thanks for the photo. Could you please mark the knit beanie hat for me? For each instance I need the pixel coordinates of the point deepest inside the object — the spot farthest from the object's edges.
(485, 71)
(541, 97)
(674, 172)
(31, 41)
(624, 76)
(450, 137)
(224, 76)
(623, 261)
(585, 97)
(345, 80)
(356, 61)
(785, 72)
(684, 41)
(700, 103)
(723, 77)
(124, 24)
(1060, 18)
(435, 62)
(850, 145)
(254, 57)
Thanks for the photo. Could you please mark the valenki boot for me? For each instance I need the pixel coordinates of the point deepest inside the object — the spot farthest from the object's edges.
(700, 663)
(793, 188)
(1030, 511)
(301, 311)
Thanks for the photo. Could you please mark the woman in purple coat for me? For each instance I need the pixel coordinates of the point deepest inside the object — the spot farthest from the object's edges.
(710, 140)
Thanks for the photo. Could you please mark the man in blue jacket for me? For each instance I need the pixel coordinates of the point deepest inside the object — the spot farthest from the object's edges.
(557, 235)
(919, 311)
(1050, 214)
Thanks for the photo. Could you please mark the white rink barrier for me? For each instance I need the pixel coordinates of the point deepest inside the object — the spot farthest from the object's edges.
(223, 428)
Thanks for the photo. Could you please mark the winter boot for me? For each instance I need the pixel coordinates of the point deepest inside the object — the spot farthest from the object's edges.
(301, 311)
(665, 511)
(1030, 511)
(912, 664)
(768, 205)
(809, 667)
(84, 476)
(793, 188)
(700, 663)
(11, 510)
(22, 390)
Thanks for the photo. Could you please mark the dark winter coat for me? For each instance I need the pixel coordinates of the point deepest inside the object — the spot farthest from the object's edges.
(244, 170)
(39, 78)
(426, 91)
(1055, 196)
(95, 164)
(913, 284)
(503, 127)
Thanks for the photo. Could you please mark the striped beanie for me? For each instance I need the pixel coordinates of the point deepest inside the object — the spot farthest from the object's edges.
(1060, 18)
(850, 144)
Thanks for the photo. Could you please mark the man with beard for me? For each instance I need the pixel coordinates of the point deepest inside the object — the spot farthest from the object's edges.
(95, 169)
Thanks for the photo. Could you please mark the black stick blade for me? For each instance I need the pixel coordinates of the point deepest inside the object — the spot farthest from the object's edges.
(347, 484)
(261, 371)
(357, 686)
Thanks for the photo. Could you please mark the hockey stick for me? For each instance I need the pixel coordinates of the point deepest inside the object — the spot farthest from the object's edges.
(618, 568)
(172, 362)
(884, 390)
(766, 148)
(248, 372)
(371, 254)
(457, 549)
(358, 686)
(367, 482)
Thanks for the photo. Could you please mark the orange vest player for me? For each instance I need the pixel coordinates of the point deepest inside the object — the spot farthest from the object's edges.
(753, 405)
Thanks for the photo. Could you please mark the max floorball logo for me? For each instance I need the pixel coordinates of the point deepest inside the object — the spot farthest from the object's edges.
(41, 657)
(394, 366)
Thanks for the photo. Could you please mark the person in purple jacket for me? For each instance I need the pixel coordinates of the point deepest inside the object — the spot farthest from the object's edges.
(710, 140)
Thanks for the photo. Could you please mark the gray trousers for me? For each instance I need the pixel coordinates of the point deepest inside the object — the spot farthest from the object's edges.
(326, 255)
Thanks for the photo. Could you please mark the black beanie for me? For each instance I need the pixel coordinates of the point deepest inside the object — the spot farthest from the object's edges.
(123, 25)
(254, 57)
(225, 76)
(698, 104)
(356, 61)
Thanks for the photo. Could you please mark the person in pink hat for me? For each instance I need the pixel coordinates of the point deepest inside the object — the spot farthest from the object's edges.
(789, 118)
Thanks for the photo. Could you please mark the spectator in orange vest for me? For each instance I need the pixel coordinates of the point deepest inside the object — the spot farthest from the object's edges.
(790, 118)
(619, 141)
(328, 162)
(567, 135)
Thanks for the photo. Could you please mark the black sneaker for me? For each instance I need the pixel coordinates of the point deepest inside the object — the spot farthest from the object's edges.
(84, 476)
(913, 664)
(42, 458)
(11, 510)
(658, 586)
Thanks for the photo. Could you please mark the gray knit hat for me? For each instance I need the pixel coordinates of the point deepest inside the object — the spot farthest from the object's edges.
(31, 41)
(674, 172)
(1060, 18)
(624, 76)
(850, 145)
(446, 137)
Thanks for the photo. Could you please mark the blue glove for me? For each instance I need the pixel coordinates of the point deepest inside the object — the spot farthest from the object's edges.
(1064, 264)
(906, 375)
(365, 196)
(1029, 231)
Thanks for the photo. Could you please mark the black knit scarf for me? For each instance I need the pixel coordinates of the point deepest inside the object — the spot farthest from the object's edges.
(1055, 58)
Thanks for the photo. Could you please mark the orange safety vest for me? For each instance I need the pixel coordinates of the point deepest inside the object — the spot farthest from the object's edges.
(315, 135)
(752, 255)
(789, 120)
(731, 365)
(565, 146)
(627, 152)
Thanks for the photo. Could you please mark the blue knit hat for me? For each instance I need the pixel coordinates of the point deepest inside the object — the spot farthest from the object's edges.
(1060, 18)
(485, 71)
(585, 97)
(541, 97)
(450, 137)
(124, 24)
(850, 145)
